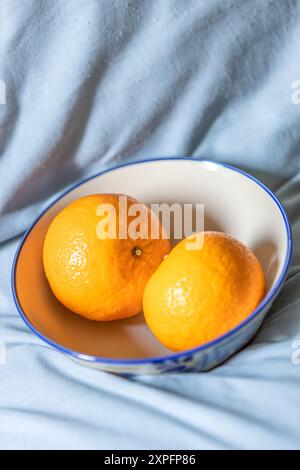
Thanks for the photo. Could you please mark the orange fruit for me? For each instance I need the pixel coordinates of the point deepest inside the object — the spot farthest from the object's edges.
(96, 277)
(197, 295)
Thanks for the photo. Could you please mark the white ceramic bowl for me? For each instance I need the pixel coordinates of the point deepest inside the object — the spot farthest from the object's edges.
(234, 202)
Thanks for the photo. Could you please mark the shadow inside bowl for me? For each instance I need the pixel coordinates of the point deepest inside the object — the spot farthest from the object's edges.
(266, 252)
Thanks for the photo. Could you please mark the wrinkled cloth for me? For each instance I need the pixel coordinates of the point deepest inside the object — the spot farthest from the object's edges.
(90, 84)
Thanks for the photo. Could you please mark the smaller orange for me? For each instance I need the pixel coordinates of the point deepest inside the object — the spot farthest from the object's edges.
(195, 296)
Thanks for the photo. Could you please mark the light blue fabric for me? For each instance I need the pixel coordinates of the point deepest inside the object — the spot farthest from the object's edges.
(95, 82)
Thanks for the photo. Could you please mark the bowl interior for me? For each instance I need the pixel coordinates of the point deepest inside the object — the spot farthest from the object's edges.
(233, 204)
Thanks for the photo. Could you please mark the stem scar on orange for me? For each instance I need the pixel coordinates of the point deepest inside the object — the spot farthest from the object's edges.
(101, 278)
(195, 296)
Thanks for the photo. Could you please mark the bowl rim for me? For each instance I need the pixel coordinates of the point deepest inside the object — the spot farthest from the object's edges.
(172, 356)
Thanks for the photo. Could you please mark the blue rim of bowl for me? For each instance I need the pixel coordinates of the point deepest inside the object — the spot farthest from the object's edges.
(157, 360)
